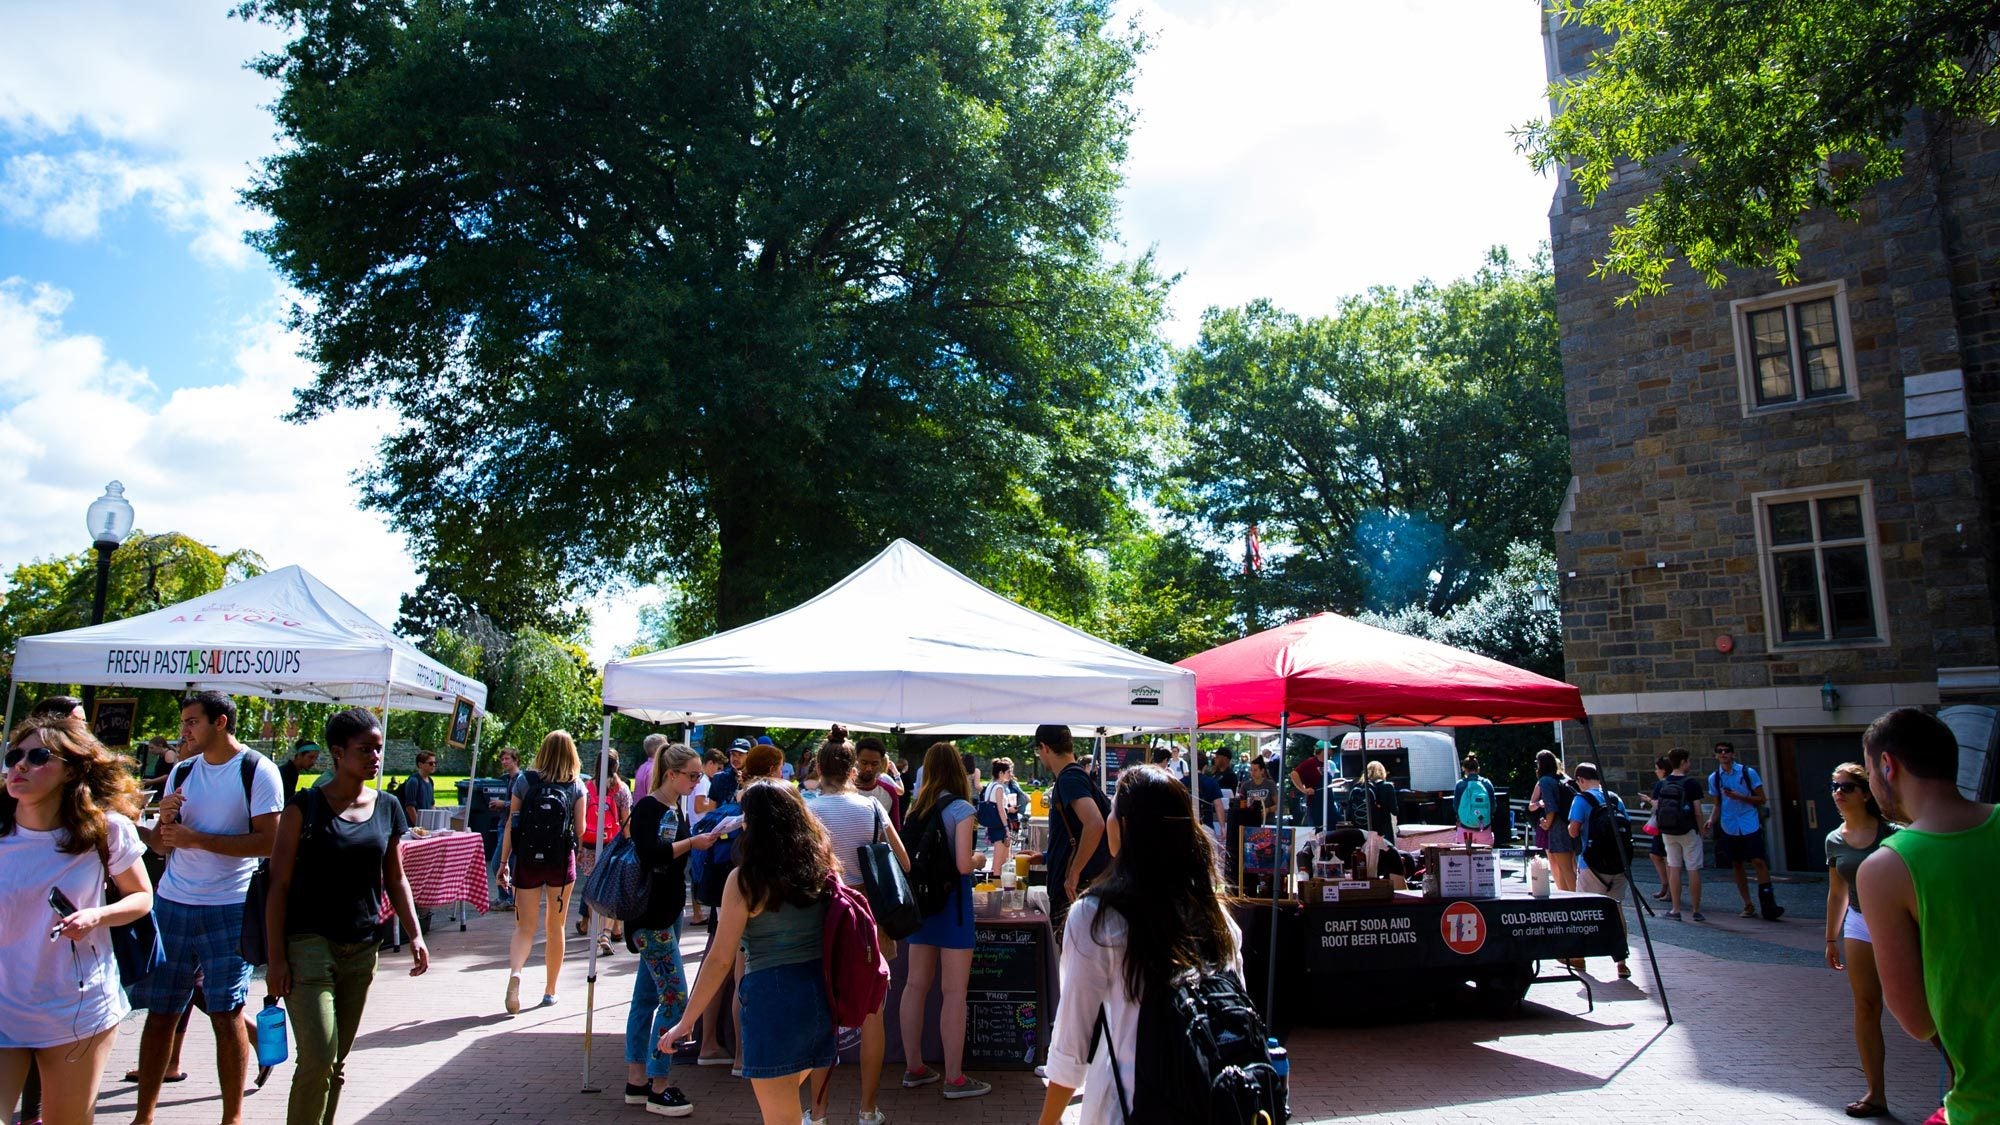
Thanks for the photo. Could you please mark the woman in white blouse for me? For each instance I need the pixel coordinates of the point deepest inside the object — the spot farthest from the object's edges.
(65, 825)
(1153, 914)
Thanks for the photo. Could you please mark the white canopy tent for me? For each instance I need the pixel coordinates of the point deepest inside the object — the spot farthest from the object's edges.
(905, 643)
(280, 635)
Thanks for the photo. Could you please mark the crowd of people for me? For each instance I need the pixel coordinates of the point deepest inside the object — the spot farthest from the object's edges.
(1133, 895)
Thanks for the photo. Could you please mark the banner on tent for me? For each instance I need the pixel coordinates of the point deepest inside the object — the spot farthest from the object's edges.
(197, 663)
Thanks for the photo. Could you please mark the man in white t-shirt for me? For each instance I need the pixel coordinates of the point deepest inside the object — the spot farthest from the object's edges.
(218, 819)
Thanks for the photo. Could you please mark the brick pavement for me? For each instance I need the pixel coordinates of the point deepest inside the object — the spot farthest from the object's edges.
(1763, 1033)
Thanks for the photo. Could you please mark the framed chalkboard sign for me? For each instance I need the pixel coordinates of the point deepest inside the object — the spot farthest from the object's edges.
(111, 721)
(1006, 1003)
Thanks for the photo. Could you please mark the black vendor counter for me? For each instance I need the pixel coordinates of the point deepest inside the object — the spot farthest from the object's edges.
(1359, 961)
(1010, 1001)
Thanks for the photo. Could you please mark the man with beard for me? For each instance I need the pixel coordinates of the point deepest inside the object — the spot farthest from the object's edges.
(1929, 909)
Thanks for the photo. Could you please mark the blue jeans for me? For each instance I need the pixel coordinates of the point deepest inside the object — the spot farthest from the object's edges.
(659, 997)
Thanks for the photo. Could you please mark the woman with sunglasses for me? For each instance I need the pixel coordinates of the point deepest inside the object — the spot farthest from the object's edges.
(663, 838)
(1862, 830)
(65, 832)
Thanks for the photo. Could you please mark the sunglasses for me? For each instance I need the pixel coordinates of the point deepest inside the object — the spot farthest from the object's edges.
(1846, 786)
(37, 757)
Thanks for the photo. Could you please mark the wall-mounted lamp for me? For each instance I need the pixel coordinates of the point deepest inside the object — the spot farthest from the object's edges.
(1539, 598)
(1829, 696)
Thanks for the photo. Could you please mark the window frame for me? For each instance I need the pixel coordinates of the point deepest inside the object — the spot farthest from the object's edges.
(1748, 383)
(1761, 504)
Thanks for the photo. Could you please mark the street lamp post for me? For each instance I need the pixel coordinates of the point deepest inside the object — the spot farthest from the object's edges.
(110, 521)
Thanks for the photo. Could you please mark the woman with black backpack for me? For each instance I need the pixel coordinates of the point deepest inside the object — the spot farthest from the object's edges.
(939, 828)
(541, 839)
(1151, 917)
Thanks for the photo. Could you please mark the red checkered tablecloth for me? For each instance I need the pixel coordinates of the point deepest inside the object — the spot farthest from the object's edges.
(445, 869)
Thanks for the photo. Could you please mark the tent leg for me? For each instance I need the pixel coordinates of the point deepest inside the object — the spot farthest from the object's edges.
(1638, 905)
(8, 725)
(1277, 845)
(590, 978)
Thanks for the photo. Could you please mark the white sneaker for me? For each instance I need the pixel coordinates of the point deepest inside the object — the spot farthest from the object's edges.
(875, 1118)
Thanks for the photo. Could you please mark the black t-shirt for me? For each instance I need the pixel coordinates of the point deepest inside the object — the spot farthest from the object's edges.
(1383, 808)
(655, 829)
(289, 772)
(1073, 784)
(722, 786)
(337, 877)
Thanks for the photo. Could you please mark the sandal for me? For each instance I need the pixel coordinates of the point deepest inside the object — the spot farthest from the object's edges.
(1624, 972)
(133, 1076)
(1867, 1109)
(604, 945)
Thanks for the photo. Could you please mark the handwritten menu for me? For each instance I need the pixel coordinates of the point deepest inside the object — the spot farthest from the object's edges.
(1006, 1001)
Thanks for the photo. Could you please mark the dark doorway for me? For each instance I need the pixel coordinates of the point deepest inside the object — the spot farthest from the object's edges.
(1805, 774)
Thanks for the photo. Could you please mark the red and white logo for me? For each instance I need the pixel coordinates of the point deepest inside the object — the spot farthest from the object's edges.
(1464, 928)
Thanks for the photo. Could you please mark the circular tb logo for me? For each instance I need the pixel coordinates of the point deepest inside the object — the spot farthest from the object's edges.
(1464, 928)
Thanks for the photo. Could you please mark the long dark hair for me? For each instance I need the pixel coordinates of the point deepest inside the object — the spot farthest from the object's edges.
(1162, 883)
(944, 778)
(95, 781)
(785, 856)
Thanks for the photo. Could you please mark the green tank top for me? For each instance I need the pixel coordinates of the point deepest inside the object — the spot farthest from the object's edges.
(1957, 916)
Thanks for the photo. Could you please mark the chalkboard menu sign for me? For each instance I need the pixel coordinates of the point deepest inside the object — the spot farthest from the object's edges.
(1007, 1000)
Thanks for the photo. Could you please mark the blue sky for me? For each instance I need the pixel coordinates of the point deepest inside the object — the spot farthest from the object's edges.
(1299, 150)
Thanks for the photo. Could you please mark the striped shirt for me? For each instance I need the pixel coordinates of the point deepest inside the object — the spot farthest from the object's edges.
(851, 821)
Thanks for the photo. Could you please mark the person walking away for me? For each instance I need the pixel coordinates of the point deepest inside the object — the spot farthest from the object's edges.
(305, 757)
(1612, 853)
(663, 838)
(1152, 917)
(1931, 915)
(346, 840)
(617, 809)
(218, 818)
(1385, 806)
(418, 791)
(496, 811)
(1474, 799)
(1849, 949)
(1307, 778)
(872, 778)
(541, 840)
(1739, 809)
(1677, 814)
(66, 831)
(774, 908)
(996, 809)
(1557, 795)
(1656, 848)
(852, 821)
(1078, 851)
(942, 949)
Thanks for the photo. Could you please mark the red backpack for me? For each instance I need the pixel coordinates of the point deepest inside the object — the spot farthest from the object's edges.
(857, 975)
(590, 814)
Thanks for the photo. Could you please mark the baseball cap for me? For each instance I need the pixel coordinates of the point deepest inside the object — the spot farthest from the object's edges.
(765, 740)
(739, 744)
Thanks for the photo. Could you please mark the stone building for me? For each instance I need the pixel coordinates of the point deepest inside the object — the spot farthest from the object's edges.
(1781, 520)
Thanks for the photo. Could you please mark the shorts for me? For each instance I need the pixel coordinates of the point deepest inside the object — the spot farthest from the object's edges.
(1854, 927)
(1541, 837)
(1475, 836)
(787, 1022)
(996, 835)
(1732, 850)
(1684, 850)
(528, 876)
(1589, 882)
(950, 928)
(201, 942)
(1658, 846)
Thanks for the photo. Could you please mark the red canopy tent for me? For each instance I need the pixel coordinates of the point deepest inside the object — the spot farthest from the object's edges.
(1329, 670)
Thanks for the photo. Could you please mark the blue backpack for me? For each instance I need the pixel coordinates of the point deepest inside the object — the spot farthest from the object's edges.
(708, 871)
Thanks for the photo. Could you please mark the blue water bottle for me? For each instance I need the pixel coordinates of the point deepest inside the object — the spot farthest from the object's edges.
(1282, 1063)
(271, 1033)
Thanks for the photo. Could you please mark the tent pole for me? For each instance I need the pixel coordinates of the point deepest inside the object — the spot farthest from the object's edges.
(590, 978)
(1277, 846)
(1638, 906)
(386, 689)
(8, 725)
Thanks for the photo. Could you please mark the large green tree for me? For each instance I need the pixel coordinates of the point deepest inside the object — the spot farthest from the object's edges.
(718, 295)
(1746, 114)
(1389, 452)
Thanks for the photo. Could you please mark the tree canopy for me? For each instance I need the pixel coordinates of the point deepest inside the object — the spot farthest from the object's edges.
(1390, 452)
(724, 296)
(1746, 115)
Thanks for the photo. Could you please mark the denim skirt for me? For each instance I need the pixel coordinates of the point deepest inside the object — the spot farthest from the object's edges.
(787, 1023)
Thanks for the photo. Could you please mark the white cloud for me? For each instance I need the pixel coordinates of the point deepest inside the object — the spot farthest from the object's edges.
(1304, 150)
(215, 462)
(105, 106)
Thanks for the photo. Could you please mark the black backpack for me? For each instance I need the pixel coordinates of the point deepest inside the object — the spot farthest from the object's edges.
(1610, 832)
(1202, 1057)
(933, 862)
(1672, 812)
(545, 835)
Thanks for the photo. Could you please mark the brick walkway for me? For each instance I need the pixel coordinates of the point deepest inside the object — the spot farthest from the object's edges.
(1763, 1033)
